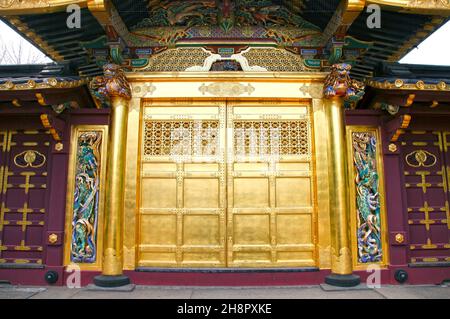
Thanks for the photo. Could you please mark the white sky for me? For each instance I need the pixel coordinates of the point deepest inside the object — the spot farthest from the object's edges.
(10, 37)
(435, 50)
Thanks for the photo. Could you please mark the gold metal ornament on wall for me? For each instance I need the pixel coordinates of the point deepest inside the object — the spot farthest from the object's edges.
(52, 238)
(393, 148)
(399, 238)
(30, 158)
(421, 158)
(223, 89)
(59, 147)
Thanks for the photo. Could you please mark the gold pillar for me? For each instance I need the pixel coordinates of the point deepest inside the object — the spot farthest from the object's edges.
(341, 262)
(115, 182)
(114, 87)
(339, 87)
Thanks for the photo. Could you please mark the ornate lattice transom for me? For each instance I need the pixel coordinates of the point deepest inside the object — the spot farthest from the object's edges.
(181, 138)
(177, 60)
(274, 60)
(255, 138)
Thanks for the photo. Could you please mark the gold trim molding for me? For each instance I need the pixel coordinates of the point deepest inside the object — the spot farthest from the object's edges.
(298, 77)
(50, 83)
(19, 7)
(438, 7)
(399, 84)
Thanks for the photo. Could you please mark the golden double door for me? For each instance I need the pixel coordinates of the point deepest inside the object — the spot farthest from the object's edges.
(227, 185)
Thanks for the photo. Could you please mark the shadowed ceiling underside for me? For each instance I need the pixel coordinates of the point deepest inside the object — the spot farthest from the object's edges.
(142, 28)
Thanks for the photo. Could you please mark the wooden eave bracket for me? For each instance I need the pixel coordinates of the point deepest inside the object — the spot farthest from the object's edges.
(397, 126)
(109, 18)
(343, 18)
(54, 125)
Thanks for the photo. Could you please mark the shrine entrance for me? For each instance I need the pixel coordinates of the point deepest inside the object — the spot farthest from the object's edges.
(23, 189)
(226, 184)
(426, 162)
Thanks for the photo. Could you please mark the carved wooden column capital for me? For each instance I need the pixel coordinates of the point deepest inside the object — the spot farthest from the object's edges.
(113, 84)
(339, 84)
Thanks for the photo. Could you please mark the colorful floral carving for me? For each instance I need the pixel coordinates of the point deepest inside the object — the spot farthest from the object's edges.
(367, 197)
(86, 198)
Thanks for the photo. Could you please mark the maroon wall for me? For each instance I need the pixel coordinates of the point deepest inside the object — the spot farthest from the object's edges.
(56, 187)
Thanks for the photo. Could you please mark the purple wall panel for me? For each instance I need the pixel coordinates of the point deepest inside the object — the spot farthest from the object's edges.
(53, 198)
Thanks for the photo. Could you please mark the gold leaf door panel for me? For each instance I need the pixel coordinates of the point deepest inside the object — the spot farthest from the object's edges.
(226, 186)
(271, 205)
(183, 189)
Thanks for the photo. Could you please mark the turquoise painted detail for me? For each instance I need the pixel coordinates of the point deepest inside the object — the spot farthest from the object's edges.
(139, 63)
(313, 63)
(116, 55)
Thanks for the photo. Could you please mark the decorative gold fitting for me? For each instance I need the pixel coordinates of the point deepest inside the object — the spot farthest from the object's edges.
(420, 85)
(31, 84)
(52, 238)
(399, 83)
(9, 85)
(52, 82)
(41, 99)
(46, 123)
(392, 148)
(399, 238)
(442, 85)
(410, 100)
(16, 103)
(59, 147)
